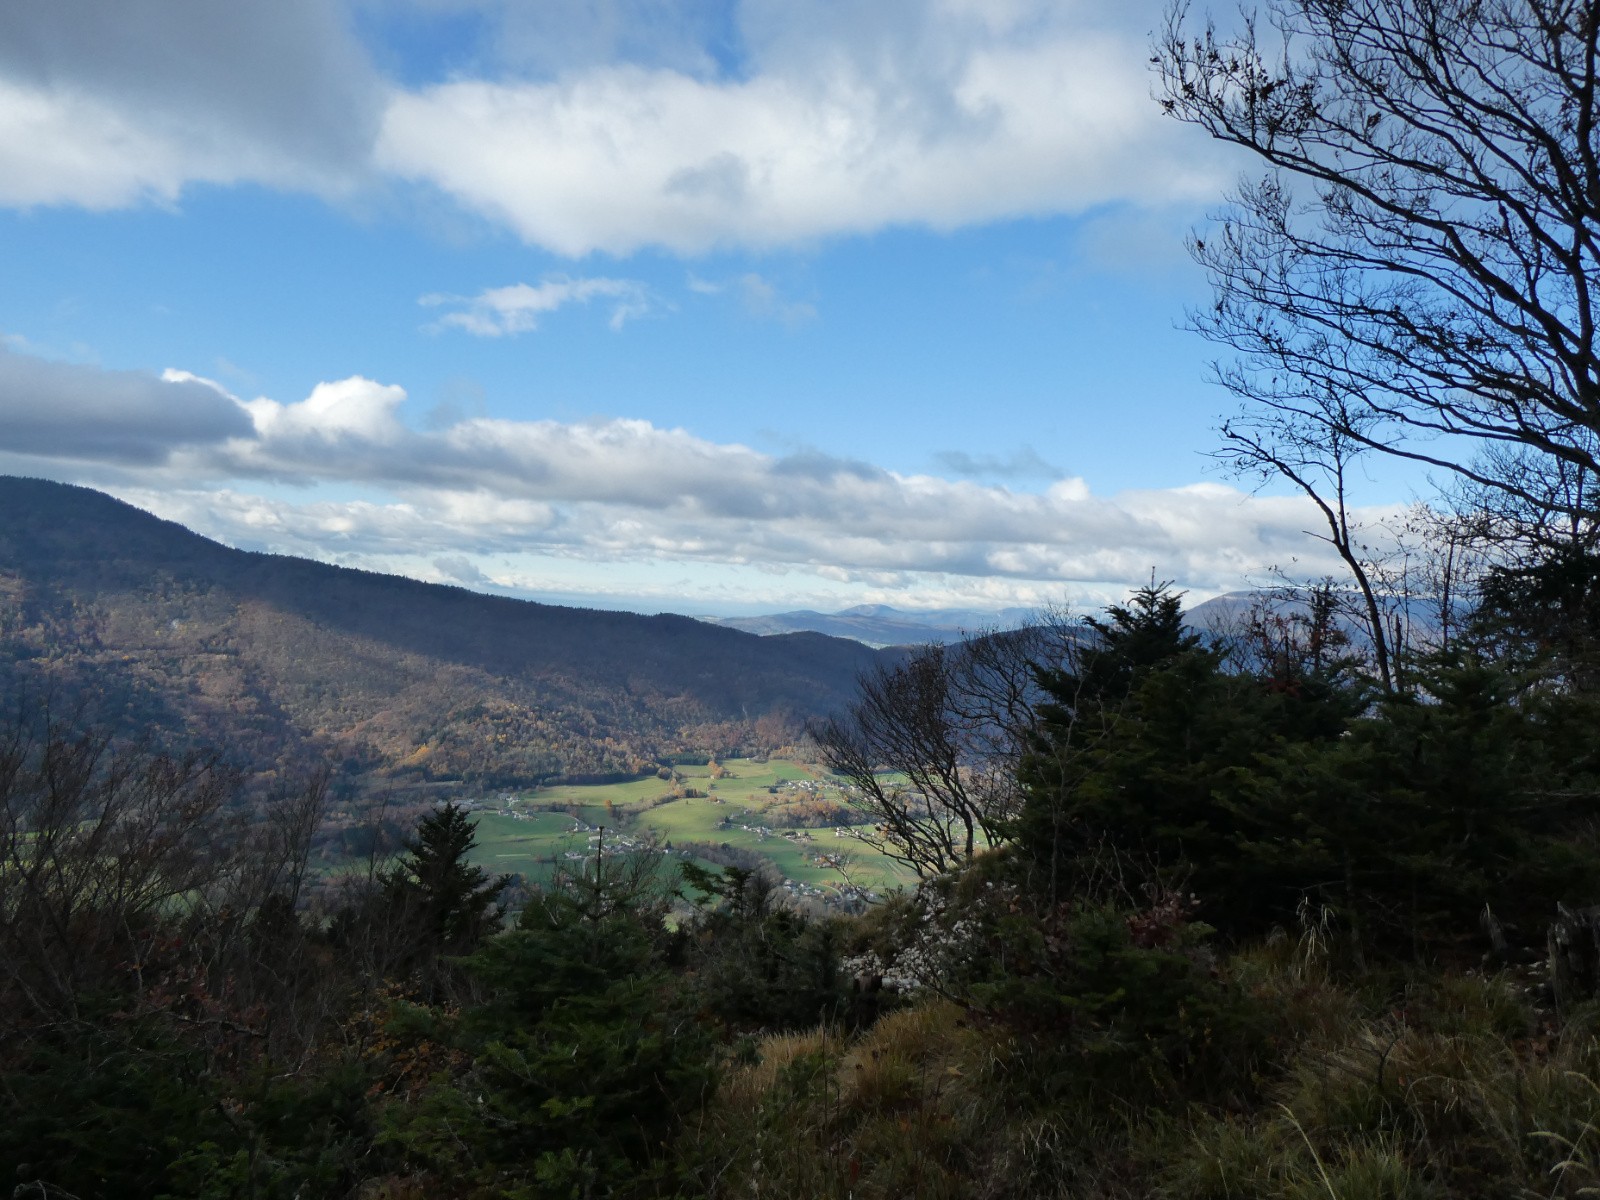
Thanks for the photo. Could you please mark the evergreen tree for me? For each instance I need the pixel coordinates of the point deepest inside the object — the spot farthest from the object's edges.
(1157, 765)
(581, 1063)
(755, 963)
(1133, 638)
(1084, 699)
(455, 902)
(1142, 634)
(1545, 610)
(1404, 814)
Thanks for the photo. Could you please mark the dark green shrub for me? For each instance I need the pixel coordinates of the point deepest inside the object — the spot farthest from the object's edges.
(1120, 1005)
(755, 964)
(1405, 814)
(574, 1073)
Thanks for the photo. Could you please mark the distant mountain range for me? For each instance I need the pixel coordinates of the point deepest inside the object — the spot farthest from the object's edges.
(880, 625)
(154, 629)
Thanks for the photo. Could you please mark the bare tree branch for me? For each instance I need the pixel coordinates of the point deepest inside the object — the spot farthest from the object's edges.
(1420, 257)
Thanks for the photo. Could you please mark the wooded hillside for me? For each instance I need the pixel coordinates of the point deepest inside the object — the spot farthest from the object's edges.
(277, 658)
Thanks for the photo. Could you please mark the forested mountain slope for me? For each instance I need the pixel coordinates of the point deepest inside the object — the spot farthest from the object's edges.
(277, 657)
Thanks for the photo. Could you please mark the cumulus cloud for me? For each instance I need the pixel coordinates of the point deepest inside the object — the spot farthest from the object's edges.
(435, 501)
(639, 123)
(622, 157)
(458, 568)
(1022, 463)
(71, 411)
(498, 312)
(356, 411)
(1207, 537)
(616, 489)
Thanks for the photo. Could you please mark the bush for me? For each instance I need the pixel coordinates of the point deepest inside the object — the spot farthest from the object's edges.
(754, 964)
(1404, 814)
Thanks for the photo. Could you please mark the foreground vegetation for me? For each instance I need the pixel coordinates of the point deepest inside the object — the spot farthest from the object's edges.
(1419, 1085)
(1255, 928)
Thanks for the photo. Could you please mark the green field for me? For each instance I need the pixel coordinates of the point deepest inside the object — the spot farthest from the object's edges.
(522, 836)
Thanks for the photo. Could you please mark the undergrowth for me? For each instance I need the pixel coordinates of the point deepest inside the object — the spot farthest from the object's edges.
(1373, 1087)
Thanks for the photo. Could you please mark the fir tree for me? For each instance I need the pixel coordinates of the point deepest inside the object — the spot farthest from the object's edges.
(456, 903)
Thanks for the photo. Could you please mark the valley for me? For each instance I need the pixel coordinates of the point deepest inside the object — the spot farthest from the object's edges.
(739, 811)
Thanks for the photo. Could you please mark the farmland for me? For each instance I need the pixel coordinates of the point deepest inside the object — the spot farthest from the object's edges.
(739, 805)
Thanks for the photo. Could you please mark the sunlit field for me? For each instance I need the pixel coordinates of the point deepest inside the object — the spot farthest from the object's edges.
(743, 804)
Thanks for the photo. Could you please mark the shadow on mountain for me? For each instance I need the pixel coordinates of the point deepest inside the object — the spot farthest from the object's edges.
(163, 628)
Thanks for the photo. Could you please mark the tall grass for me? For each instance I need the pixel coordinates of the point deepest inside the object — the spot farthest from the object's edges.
(1378, 1088)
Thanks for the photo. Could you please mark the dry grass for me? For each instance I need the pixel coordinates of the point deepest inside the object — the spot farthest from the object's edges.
(1453, 1086)
(884, 1115)
(1456, 1094)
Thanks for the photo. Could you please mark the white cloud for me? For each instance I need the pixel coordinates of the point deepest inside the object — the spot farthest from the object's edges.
(458, 568)
(108, 105)
(828, 118)
(1022, 463)
(622, 157)
(356, 410)
(612, 491)
(762, 299)
(72, 411)
(73, 148)
(758, 296)
(641, 556)
(498, 312)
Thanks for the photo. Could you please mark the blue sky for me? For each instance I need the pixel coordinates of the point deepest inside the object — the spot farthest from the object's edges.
(715, 306)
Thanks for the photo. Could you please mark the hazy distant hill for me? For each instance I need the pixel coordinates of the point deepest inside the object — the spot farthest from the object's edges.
(275, 657)
(1230, 613)
(881, 625)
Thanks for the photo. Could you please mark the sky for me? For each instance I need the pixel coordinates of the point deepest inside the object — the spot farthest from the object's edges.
(705, 306)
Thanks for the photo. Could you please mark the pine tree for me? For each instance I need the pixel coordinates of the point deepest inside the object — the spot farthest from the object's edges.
(1130, 640)
(1142, 634)
(455, 902)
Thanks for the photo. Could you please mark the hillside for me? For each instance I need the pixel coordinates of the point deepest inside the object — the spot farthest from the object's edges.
(152, 626)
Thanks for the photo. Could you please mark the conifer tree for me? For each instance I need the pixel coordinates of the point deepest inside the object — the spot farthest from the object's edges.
(456, 902)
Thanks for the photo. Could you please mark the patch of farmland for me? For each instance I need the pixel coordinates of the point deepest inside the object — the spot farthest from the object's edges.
(740, 805)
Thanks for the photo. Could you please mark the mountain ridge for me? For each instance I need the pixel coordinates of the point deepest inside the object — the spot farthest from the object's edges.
(285, 657)
(882, 625)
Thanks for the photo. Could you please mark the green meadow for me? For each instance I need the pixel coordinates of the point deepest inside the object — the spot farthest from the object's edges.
(740, 808)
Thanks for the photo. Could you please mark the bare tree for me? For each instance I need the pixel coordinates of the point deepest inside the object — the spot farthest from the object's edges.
(97, 845)
(1554, 505)
(1287, 634)
(161, 880)
(994, 697)
(931, 745)
(1316, 452)
(1415, 274)
(898, 747)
